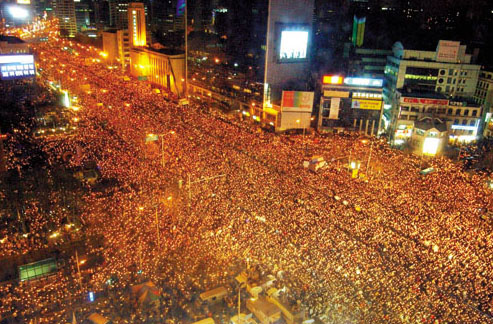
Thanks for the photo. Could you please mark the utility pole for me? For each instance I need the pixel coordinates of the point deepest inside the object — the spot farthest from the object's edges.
(78, 269)
(369, 158)
(157, 226)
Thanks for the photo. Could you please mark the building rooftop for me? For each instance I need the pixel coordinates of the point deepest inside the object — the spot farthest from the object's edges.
(11, 39)
(427, 123)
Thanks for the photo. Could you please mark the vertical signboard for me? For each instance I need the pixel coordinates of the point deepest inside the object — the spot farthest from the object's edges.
(335, 103)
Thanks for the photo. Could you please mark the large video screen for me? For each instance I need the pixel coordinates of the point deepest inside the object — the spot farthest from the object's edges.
(294, 44)
(17, 66)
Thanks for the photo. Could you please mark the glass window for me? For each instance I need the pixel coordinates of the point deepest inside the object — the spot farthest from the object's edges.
(474, 113)
(451, 71)
(464, 122)
(456, 122)
(457, 112)
(449, 80)
(472, 123)
(466, 112)
(449, 111)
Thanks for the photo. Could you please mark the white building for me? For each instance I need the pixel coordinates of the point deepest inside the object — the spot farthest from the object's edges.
(447, 70)
(463, 118)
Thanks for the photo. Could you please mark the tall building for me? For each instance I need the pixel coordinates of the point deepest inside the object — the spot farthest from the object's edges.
(484, 97)
(137, 24)
(65, 12)
(83, 13)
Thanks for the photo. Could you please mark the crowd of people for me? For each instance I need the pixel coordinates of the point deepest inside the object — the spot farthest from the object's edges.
(394, 247)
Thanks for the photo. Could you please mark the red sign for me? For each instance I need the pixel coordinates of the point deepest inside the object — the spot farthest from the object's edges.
(424, 101)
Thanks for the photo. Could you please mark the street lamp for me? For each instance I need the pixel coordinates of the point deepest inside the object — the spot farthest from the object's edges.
(153, 137)
(298, 121)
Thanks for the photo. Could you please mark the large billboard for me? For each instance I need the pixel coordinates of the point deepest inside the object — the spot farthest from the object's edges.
(17, 66)
(301, 101)
(294, 44)
(447, 51)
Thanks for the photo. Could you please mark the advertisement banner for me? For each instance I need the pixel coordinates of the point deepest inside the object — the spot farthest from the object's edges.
(448, 51)
(297, 101)
(334, 108)
(366, 104)
(424, 101)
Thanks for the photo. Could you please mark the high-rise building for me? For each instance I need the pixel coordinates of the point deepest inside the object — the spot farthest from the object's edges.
(137, 24)
(83, 13)
(65, 12)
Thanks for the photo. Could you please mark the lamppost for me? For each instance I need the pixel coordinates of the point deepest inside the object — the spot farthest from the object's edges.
(298, 121)
(239, 301)
(153, 137)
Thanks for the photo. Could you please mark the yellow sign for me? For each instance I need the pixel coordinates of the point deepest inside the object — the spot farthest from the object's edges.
(366, 104)
(23, 1)
(337, 94)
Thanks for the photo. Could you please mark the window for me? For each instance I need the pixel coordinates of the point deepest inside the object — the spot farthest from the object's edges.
(439, 89)
(447, 89)
(456, 122)
(442, 72)
(449, 111)
(457, 112)
(466, 112)
(474, 113)
(464, 122)
(472, 123)
(414, 109)
(440, 80)
(451, 71)
(454, 80)
(449, 80)
(404, 108)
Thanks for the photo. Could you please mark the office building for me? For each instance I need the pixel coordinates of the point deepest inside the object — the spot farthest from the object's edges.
(165, 68)
(12, 45)
(447, 70)
(350, 103)
(137, 30)
(117, 46)
(484, 96)
(65, 12)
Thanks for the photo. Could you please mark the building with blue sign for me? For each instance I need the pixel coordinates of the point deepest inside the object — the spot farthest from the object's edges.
(351, 103)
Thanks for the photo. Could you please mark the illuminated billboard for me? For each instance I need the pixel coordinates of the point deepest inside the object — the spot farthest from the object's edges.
(292, 42)
(332, 79)
(17, 66)
(430, 146)
(301, 101)
(366, 104)
(24, 2)
(366, 82)
(293, 45)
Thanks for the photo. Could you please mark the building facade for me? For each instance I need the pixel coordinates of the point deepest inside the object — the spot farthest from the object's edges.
(13, 45)
(484, 97)
(162, 68)
(137, 24)
(447, 71)
(65, 12)
(462, 117)
(351, 103)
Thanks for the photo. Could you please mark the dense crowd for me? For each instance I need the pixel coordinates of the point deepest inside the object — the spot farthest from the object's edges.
(414, 250)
